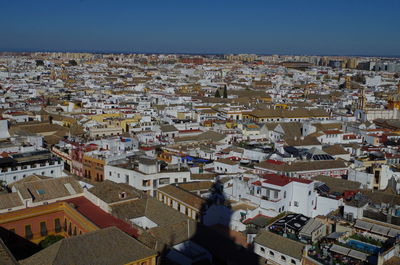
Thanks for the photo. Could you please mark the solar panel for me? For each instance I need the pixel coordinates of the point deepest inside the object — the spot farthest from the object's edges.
(340, 249)
(380, 229)
(393, 232)
(363, 225)
(323, 188)
(358, 255)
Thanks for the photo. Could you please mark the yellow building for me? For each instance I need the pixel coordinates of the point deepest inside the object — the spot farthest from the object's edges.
(231, 124)
(394, 100)
(93, 167)
(125, 122)
(266, 99)
(102, 117)
(37, 223)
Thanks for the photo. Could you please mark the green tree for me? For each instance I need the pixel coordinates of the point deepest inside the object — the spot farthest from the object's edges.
(50, 240)
(39, 63)
(73, 62)
(225, 92)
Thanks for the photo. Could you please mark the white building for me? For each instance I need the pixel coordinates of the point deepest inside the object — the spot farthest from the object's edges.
(226, 166)
(22, 165)
(278, 249)
(147, 176)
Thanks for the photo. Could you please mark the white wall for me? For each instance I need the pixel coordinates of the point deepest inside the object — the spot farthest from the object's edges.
(55, 171)
(325, 205)
(135, 178)
(265, 253)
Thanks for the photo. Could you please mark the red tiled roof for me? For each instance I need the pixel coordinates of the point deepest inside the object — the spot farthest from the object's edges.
(99, 217)
(280, 180)
(257, 183)
(275, 162)
(4, 154)
(258, 215)
(188, 131)
(332, 132)
(350, 136)
(146, 148)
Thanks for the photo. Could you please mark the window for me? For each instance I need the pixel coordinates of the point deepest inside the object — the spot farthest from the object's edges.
(271, 253)
(57, 225)
(184, 179)
(292, 261)
(296, 203)
(176, 180)
(309, 193)
(283, 258)
(65, 225)
(43, 229)
(284, 194)
(262, 250)
(28, 232)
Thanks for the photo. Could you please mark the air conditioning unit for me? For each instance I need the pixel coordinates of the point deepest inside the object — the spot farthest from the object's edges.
(350, 217)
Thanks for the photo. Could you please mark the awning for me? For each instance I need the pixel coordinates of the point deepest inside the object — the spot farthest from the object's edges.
(340, 250)
(358, 255)
(363, 225)
(382, 230)
(393, 232)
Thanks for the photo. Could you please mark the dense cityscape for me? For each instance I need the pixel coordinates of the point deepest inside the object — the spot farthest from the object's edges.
(199, 159)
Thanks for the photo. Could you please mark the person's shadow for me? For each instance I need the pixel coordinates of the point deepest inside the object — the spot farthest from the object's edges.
(212, 233)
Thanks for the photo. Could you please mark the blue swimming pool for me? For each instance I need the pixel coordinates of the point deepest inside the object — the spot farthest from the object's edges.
(364, 247)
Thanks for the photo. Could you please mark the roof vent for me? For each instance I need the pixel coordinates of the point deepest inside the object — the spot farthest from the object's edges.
(122, 195)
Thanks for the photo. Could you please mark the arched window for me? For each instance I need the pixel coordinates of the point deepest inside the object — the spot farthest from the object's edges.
(283, 258)
(271, 253)
(262, 250)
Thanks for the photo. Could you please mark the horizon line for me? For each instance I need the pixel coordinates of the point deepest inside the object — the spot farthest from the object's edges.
(5, 50)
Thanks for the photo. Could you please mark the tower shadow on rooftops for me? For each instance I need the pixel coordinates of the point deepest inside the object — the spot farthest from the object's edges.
(19, 247)
(212, 242)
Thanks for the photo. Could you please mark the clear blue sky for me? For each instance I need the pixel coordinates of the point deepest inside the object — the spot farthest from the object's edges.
(343, 27)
